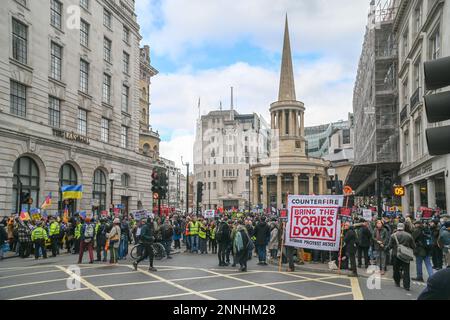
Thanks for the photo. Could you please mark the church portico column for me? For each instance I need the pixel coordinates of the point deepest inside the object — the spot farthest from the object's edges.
(296, 183)
(264, 192)
(255, 190)
(321, 187)
(279, 194)
(311, 183)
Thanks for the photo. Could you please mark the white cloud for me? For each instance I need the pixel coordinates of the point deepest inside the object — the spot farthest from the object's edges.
(179, 145)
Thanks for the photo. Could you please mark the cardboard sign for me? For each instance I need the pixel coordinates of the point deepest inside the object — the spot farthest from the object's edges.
(346, 212)
(367, 214)
(209, 214)
(313, 222)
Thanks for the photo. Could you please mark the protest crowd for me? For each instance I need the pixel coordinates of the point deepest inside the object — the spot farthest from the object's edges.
(236, 238)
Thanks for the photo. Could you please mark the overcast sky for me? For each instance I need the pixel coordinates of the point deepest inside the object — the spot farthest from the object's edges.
(203, 47)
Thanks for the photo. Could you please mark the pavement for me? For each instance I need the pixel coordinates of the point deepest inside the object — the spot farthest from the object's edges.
(186, 277)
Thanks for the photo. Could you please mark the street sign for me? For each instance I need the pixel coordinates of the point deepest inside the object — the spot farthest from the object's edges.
(348, 190)
(155, 196)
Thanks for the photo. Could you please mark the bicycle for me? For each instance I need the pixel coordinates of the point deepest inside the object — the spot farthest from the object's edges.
(158, 250)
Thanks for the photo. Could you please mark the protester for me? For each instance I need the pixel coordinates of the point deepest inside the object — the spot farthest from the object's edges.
(444, 242)
(3, 239)
(380, 242)
(114, 239)
(364, 237)
(87, 235)
(273, 243)
(223, 238)
(24, 232)
(241, 245)
(350, 247)
(262, 233)
(100, 239)
(147, 238)
(401, 265)
(422, 252)
(167, 235)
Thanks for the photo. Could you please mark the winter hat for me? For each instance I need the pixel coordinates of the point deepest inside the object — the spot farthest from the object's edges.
(401, 226)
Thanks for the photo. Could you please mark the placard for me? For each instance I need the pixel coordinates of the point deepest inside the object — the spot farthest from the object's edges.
(313, 222)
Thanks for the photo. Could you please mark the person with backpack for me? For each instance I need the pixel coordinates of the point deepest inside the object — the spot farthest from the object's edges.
(422, 252)
(147, 238)
(250, 232)
(100, 239)
(241, 245)
(87, 235)
(167, 235)
(124, 239)
(54, 235)
(444, 241)
(223, 238)
(401, 242)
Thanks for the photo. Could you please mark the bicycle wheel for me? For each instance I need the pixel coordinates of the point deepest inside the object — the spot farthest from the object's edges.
(159, 251)
(135, 252)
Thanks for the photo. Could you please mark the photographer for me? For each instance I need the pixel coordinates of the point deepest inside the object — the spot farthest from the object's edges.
(422, 238)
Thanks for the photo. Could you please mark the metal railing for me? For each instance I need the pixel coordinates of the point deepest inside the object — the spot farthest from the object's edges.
(404, 114)
(415, 98)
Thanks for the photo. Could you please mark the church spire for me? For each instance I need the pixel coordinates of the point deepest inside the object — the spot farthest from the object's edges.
(287, 85)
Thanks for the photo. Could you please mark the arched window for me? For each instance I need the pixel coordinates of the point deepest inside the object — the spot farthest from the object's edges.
(125, 180)
(146, 148)
(25, 181)
(144, 115)
(67, 177)
(99, 190)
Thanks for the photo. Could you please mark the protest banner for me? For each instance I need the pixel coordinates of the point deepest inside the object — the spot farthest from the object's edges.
(367, 214)
(209, 214)
(313, 222)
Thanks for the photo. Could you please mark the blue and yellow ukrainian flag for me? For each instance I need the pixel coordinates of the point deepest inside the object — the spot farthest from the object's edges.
(72, 192)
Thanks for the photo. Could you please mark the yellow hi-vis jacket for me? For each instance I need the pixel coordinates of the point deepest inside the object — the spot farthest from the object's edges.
(202, 231)
(54, 229)
(194, 228)
(77, 232)
(39, 234)
(212, 233)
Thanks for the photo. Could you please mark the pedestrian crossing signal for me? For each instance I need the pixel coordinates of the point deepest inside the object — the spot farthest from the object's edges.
(399, 191)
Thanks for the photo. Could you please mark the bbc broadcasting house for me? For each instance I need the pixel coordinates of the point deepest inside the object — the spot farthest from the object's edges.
(68, 105)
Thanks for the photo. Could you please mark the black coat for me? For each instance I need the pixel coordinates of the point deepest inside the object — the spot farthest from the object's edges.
(147, 233)
(262, 233)
(3, 235)
(225, 229)
(250, 230)
(438, 286)
(101, 235)
(350, 241)
(364, 237)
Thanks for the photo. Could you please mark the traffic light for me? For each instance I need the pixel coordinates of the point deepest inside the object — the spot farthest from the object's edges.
(199, 191)
(155, 181)
(387, 185)
(437, 106)
(163, 185)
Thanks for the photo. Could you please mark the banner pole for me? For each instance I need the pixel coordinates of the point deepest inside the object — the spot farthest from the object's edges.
(342, 234)
(282, 246)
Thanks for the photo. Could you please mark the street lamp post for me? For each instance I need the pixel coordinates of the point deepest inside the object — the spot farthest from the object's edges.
(187, 184)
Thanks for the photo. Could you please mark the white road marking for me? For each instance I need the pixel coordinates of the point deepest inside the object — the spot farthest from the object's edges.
(86, 283)
(332, 296)
(48, 293)
(28, 274)
(320, 279)
(107, 274)
(175, 284)
(258, 285)
(32, 283)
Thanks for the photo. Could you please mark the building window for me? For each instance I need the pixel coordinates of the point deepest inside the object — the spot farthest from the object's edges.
(84, 76)
(126, 35)
(215, 173)
(82, 122)
(56, 61)
(99, 190)
(19, 41)
(247, 185)
(346, 136)
(405, 44)
(18, 99)
(126, 62)
(26, 180)
(84, 4)
(125, 94)
(247, 172)
(418, 17)
(54, 112)
(106, 92)
(406, 148)
(416, 71)
(435, 45)
(55, 13)
(418, 138)
(405, 92)
(104, 134)
(107, 18)
(214, 185)
(124, 137)
(84, 33)
(125, 180)
(67, 177)
(107, 44)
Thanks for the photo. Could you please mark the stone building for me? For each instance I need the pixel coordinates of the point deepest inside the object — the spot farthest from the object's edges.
(288, 170)
(227, 144)
(69, 105)
(422, 29)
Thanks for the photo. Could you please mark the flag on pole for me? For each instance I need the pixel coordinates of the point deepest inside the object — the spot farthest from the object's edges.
(72, 192)
(66, 214)
(47, 202)
(83, 214)
(24, 215)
